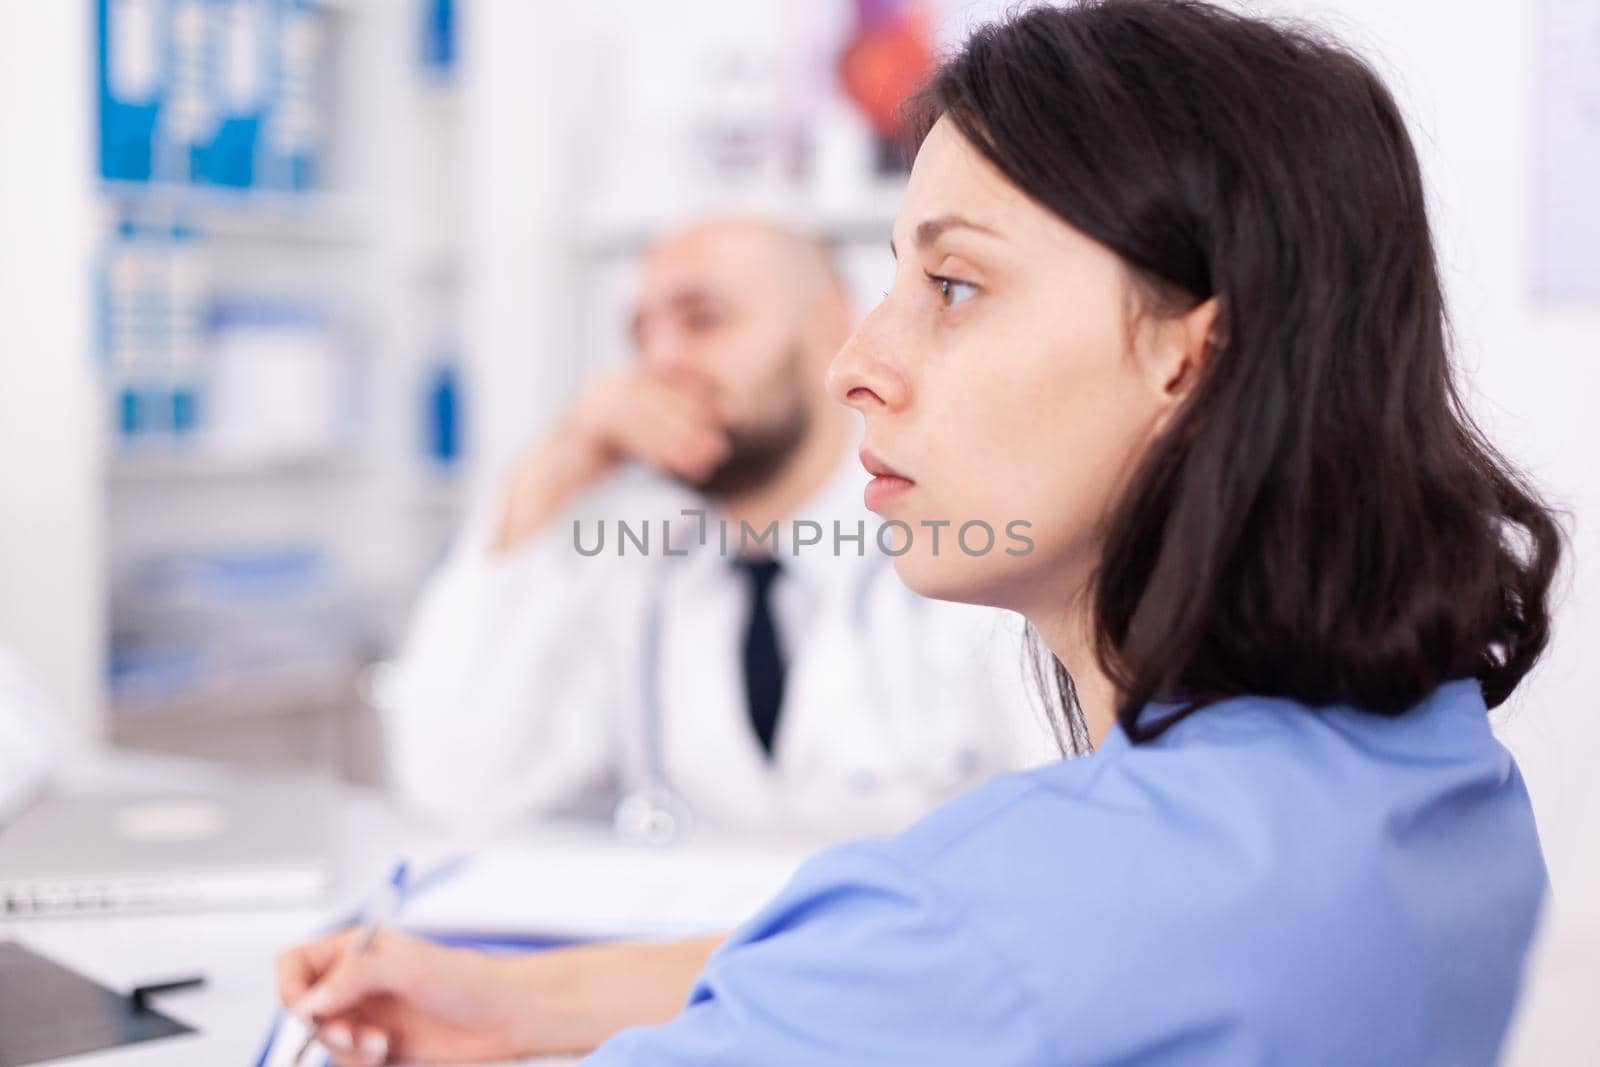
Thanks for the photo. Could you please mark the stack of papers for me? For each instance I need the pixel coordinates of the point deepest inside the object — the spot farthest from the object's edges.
(578, 886)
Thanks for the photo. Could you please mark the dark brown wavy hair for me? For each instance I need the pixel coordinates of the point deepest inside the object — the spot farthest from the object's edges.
(1322, 520)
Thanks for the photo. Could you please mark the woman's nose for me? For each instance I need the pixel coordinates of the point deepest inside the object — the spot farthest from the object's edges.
(860, 378)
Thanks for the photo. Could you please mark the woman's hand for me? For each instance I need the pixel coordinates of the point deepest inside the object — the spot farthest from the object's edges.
(406, 998)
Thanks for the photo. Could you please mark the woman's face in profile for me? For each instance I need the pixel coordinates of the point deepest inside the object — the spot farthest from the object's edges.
(1010, 378)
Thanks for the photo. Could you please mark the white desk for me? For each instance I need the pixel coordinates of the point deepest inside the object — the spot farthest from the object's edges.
(236, 950)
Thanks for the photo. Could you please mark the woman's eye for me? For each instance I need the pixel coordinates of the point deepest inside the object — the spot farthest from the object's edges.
(953, 292)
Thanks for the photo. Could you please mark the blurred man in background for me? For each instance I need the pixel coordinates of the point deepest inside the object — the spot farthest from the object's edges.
(783, 688)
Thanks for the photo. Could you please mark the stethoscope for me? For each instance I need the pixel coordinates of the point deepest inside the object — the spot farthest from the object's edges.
(655, 813)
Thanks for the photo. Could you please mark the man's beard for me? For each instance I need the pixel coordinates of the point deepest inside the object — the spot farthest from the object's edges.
(756, 455)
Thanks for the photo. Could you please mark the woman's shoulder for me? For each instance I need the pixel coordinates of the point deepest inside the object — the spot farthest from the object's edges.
(1260, 850)
(1259, 787)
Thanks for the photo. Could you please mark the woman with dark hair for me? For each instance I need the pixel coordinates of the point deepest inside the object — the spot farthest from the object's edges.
(1166, 292)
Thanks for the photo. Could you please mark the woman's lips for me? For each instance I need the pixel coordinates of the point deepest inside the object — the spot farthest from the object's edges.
(883, 488)
(887, 483)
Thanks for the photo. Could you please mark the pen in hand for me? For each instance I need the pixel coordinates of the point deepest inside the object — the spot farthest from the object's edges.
(378, 916)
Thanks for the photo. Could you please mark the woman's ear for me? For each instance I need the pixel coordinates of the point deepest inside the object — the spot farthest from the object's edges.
(1175, 350)
(1199, 336)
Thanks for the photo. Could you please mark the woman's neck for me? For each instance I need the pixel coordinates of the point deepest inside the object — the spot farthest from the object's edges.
(1070, 636)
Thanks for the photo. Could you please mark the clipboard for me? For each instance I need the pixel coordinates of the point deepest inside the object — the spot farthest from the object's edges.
(48, 1012)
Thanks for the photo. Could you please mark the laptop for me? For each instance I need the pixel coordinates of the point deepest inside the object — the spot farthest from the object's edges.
(250, 846)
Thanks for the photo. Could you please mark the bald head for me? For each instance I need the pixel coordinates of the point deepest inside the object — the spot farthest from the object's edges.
(752, 312)
(766, 256)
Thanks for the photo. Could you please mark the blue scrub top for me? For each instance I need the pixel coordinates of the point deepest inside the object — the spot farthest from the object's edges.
(1264, 884)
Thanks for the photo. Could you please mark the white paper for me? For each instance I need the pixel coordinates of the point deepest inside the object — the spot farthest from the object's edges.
(595, 889)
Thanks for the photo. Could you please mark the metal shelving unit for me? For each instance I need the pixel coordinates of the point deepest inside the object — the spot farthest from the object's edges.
(253, 580)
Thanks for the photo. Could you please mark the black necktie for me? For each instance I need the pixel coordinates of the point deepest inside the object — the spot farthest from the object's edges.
(763, 663)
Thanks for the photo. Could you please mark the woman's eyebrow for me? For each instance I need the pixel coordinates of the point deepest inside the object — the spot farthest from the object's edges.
(930, 230)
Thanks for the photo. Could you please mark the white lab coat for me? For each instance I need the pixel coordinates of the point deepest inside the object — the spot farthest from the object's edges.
(524, 684)
(30, 737)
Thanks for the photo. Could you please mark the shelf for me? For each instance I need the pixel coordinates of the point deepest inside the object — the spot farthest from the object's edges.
(166, 469)
(308, 218)
(440, 492)
(309, 689)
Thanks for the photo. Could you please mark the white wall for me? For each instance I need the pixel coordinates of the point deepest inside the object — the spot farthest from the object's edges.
(51, 605)
(525, 68)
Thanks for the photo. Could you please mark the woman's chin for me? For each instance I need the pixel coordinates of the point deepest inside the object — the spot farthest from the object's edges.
(956, 577)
